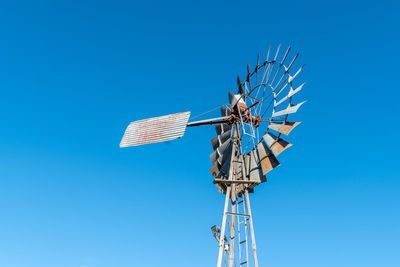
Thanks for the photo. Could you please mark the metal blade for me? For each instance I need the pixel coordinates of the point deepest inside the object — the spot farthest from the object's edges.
(247, 164)
(280, 65)
(291, 63)
(284, 57)
(290, 94)
(267, 158)
(222, 128)
(224, 171)
(154, 130)
(220, 154)
(294, 76)
(240, 86)
(257, 67)
(238, 175)
(220, 139)
(215, 169)
(284, 128)
(290, 109)
(277, 52)
(256, 174)
(231, 97)
(276, 144)
(234, 99)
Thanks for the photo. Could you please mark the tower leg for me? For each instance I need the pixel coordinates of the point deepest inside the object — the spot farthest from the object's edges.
(253, 238)
(222, 237)
(232, 234)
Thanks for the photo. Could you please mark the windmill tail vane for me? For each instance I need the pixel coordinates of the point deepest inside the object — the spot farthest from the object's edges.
(248, 140)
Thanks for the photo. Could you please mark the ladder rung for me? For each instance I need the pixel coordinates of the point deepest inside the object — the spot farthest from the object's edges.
(241, 242)
(243, 262)
(238, 214)
(233, 181)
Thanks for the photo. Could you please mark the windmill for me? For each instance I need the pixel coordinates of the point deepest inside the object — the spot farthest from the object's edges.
(248, 141)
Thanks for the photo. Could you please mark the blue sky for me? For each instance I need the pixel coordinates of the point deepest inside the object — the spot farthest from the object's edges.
(73, 74)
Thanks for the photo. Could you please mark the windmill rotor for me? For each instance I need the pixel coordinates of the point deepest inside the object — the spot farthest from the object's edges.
(247, 143)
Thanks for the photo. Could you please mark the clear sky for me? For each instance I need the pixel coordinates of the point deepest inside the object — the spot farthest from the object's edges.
(73, 74)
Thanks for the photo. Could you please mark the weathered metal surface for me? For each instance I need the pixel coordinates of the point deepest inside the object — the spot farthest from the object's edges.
(253, 237)
(220, 139)
(267, 158)
(290, 109)
(233, 181)
(284, 127)
(222, 128)
(154, 130)
(222, 152)
(256, 174)
(290, 94)
(209, 121)
(215, 169)
(277, 145)
(247, 164)
(226, 165)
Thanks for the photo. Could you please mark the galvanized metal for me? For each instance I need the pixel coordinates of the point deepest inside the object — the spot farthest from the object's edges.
(233, 181)
(215, 169)
(290, 94)
(225, 167)
(290, 109)
(294, 76)
(220, 154)
(256, 174)
(223, 225)
(283, 127)
(222, 128)
(232, 233)
(220, 139)
(247, 164)
(276, 144)
(154, 130)
(219, 120)
(267, 159)
(253, 236)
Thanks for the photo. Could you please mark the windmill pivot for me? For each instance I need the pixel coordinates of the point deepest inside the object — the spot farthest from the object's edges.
(240, 110)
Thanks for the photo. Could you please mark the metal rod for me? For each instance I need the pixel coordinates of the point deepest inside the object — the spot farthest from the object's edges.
(232, 232)
(253, 238)
(222, 237)
(245, 230)
(233, 181)
(238, 226)
(227, 198)
(209, 121)
(237, 214)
